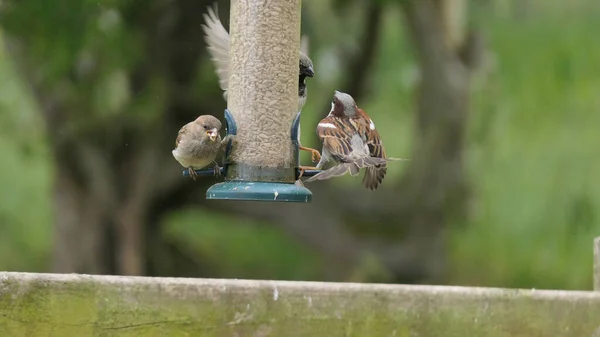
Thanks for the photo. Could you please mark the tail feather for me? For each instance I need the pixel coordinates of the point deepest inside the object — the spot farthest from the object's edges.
(375, 171)
(353, 169)
(369, 162)
(374, 176)
(336, 171)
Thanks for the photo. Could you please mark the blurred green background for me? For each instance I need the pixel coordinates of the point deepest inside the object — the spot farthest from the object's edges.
(92, 94)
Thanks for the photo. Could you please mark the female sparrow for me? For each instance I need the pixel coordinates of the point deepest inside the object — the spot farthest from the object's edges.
(198, 144)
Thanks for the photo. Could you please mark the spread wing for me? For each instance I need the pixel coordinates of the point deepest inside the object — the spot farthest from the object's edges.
(347, 137)
(374, 143)
(336, 137)
(354, 143)
(374, 174)
(346, 141)
(217, 39)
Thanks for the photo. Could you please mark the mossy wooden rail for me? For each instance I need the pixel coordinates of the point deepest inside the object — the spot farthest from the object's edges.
(83, 305)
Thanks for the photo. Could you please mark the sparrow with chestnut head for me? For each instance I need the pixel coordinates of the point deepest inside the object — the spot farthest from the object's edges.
(198, 143)
(217, 39)
(352, 142)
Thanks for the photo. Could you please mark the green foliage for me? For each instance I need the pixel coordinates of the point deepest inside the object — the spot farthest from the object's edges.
(534, 158)
(80, 49)
(67, 30)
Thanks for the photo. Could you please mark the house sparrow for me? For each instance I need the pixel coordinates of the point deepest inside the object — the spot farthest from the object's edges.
(198, 144)
(350, 140)
(217, 39)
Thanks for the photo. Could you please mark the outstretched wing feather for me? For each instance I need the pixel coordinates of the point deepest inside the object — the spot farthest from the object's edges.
(217, 39)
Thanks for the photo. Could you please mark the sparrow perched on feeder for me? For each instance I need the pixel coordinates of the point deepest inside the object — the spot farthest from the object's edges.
(198, 144)
(350, 140)
(217, 39)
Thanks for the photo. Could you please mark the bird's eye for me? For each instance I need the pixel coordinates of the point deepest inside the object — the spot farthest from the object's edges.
(205, 127)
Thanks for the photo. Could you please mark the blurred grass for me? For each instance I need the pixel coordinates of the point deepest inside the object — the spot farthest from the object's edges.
(233, 247)
(533, 156)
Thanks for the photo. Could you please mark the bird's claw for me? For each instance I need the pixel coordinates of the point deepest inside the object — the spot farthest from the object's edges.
(301, 173)
(217, 169)
(304, 168)
(192, 172)
(315, 156)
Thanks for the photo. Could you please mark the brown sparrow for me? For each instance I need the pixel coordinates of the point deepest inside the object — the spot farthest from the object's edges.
(350, 140)
(217, 39)
(198, 144)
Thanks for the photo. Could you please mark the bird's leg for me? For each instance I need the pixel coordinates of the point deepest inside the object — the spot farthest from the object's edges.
(315, 155)
(304, 168)
(217, 169)
(192, 172)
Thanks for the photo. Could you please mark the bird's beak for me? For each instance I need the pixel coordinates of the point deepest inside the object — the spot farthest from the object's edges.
(212, 134)
(310, 72)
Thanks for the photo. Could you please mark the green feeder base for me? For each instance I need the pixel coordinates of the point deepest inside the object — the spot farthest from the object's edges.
(259, 191)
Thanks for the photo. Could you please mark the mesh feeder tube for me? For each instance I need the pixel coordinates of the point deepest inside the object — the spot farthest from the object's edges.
(262, 101)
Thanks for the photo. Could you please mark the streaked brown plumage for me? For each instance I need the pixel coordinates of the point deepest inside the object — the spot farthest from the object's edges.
(198, 144)
(351, 141)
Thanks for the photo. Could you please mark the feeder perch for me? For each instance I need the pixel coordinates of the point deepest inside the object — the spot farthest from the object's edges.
(243, 182)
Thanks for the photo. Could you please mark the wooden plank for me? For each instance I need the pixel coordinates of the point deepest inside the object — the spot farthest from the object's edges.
(597, 264)
(84, 305)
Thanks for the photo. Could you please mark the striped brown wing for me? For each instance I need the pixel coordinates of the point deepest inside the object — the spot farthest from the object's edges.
(376, 148)
(375, 145)
(335, 136)
(374, 175)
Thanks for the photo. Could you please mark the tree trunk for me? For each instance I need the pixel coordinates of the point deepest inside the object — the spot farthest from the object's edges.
(79, 228)
(358, 66)
(130, 235)
(84, 196)
(434, 186)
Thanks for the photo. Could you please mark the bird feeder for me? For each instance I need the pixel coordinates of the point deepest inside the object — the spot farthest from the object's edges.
(262, 99)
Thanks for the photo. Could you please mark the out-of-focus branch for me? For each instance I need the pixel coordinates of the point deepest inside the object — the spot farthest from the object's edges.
(358, 67)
